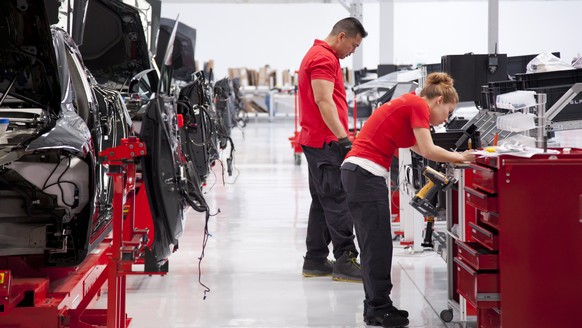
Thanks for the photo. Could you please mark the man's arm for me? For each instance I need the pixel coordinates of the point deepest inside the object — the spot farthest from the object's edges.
(323, 94)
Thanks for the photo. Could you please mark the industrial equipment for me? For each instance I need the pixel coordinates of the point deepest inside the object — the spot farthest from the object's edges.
(423, 200)
(437, 181)
(31, 293)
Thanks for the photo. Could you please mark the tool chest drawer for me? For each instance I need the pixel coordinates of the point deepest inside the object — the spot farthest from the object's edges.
(481, 201)
(492, 162)
(484, 178)
(484, 237)
(488, 218)
(480, 289)
(477, 256)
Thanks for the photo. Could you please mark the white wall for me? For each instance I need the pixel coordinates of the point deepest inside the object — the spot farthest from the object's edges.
(253, 35)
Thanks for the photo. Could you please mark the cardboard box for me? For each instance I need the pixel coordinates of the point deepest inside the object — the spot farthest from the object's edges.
(286, 78)
(244, 77)
(262, 78)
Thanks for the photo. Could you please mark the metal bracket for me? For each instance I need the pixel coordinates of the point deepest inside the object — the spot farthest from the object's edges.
(129, 148)
(563, 101)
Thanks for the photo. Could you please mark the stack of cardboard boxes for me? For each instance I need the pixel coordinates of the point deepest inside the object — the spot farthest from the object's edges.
(263, 77)
(256, 85)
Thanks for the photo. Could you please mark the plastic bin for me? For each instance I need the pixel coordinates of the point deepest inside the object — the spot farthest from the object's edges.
(491, 90)
(548, 79)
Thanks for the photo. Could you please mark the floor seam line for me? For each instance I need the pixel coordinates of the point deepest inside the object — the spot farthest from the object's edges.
(421, 293)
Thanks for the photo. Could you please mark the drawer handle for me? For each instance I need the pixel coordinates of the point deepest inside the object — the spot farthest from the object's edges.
(488, 297)
(467, 249)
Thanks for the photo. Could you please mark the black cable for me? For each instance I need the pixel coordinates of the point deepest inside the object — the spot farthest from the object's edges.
(213, 183)
(61, 188)
(204, 241)
(55, 183)
(58, 182)
(51, 174)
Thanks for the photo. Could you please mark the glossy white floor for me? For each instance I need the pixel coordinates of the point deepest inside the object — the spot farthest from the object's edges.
(253, 259)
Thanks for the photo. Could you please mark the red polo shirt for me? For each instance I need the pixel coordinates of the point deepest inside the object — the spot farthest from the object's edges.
(320, 63)
(390, 127)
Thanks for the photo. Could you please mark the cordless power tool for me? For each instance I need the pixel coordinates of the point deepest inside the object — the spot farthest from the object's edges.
(423, 200)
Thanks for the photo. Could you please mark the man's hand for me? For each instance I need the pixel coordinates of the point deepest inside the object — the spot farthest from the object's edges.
(345, 145)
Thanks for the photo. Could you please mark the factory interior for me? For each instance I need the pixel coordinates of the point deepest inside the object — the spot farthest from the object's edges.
(156, 168)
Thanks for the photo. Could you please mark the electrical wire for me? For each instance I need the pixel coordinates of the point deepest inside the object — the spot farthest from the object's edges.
(51, 174)
(202, 253)
(213, 183)
(59, 182)
(61, 188)
(215, 129)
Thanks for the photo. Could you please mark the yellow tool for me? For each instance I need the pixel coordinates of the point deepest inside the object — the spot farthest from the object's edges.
(423, 200)
(437, 181)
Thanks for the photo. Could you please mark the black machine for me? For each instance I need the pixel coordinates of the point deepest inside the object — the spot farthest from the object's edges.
(471, 71)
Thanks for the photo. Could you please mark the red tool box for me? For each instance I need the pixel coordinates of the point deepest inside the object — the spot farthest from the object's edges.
(529, 222)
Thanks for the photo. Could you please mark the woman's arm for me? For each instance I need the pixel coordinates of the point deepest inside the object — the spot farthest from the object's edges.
(426, 148)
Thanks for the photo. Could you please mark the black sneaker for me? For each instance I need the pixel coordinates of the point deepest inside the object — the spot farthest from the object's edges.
(317, 269)
(347, 268)
(392, 319)
(402, 313)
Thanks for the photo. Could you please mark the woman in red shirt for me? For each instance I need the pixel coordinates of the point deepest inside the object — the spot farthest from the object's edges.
(403, 122)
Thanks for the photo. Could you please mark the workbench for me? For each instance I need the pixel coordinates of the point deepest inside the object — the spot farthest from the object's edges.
(518, 262)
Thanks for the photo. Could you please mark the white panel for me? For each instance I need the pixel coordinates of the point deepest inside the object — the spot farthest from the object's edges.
(386, 32)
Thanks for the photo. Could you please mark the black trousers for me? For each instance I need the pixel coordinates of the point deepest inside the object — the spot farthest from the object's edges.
(329, 216)
(368, 201)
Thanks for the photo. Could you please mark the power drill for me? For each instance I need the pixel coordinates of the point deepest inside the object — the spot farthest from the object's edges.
(422, 201)
(437, 181)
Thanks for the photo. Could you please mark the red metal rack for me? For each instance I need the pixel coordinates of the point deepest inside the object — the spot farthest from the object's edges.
(36, 296)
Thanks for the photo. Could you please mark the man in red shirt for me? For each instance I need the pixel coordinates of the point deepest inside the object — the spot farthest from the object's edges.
(403, 122)
(324, 139)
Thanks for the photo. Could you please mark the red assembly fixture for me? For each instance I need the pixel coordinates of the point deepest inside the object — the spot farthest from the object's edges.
(59, 297)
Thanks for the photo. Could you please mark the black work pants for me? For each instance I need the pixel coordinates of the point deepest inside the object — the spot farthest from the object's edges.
(368, 201)
(329, 217)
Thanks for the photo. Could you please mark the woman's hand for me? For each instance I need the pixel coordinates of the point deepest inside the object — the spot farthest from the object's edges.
(468, 155)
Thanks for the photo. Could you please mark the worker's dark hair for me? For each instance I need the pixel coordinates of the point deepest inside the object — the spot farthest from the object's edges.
(440, 84)
(350, 26)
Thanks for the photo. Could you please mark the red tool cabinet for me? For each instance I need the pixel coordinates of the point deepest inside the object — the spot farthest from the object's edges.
(522, 265)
